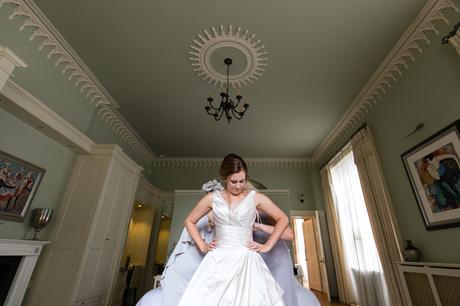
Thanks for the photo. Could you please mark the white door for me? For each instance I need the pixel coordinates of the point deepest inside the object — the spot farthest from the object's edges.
(311, 250)
(320, 226)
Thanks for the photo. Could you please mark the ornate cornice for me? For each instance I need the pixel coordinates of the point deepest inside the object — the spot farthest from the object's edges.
(412, 41)
(122, 127)
(8, 62)
(215, 162)
(58, 50)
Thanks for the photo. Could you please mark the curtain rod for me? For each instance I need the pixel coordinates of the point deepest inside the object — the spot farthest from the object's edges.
(363, 126)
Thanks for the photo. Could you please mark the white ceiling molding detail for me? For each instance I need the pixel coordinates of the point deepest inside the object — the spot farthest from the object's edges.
(210, 41)
(388, 72)
(122, 127)
(58, 50)
(215, 162)
(8, 62)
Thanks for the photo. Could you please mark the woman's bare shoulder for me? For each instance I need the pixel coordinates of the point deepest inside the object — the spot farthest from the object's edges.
(260, 196)
(209, 196)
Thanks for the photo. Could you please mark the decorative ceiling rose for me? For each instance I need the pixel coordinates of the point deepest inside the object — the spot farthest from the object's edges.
(206, 44)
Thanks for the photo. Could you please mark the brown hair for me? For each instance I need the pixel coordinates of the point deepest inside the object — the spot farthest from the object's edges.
(231, 164)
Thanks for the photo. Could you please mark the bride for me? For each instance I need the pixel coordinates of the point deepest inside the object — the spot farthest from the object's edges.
(232, 272)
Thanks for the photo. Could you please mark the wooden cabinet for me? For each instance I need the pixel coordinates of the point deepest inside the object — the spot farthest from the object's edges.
(89, 232)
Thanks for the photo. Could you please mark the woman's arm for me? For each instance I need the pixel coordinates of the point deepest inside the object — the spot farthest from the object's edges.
(281, 221)
(287, 234)
(202, 208)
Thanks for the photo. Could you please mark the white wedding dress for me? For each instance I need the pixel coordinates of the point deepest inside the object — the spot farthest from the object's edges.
(231, 274)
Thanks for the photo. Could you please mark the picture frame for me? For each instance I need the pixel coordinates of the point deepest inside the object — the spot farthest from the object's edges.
(433, 168)
(19, 181)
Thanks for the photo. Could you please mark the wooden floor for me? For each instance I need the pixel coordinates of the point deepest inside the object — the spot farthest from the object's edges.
(323, 299)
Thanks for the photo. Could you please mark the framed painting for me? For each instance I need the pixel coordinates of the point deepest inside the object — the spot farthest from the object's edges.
(19, 181)
(433, 168)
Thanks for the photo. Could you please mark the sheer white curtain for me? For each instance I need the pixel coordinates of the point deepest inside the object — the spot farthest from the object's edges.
(380, 209)
(360, 252)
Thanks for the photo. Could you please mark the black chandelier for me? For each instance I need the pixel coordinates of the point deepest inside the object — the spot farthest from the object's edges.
(227, 106)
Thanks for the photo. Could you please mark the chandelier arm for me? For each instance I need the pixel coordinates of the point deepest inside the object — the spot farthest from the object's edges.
(237, 103)
(212, 106)
(236, 114)
(221, 112)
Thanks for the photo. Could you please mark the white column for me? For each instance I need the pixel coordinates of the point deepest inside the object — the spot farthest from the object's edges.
(8, 61)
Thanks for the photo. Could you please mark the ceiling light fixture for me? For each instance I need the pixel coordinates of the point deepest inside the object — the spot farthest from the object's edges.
(227, 106)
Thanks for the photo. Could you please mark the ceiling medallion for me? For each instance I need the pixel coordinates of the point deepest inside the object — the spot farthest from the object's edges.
(208, 43)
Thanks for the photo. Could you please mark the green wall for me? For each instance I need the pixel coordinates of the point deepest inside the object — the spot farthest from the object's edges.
(428, 92)
(24, 142)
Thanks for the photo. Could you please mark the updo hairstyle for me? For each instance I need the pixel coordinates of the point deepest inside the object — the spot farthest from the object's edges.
(231, 164)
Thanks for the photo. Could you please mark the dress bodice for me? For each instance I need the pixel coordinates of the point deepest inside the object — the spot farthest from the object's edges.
(232, 274)
(233, 226)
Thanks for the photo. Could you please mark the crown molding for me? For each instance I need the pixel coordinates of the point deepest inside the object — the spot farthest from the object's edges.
(11, 57)
(122, 127)
(215, 162)
(56, 48)
(8, 62)
(392, 67)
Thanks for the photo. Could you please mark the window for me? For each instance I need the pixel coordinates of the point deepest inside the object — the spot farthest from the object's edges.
(361, 258)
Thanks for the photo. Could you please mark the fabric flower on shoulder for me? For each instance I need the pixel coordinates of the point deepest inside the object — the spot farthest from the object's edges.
(212, 186)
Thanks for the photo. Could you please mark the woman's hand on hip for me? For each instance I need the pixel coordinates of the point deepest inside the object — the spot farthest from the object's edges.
(208, 247)
(258, 247)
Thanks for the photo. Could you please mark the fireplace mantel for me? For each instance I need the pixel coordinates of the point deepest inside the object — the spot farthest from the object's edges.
(29, 250)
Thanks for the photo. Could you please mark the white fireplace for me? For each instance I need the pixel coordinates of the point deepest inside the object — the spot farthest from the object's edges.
(25, 253)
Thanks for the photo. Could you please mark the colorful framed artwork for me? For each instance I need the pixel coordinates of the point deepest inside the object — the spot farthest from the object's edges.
(19, 180)
(433, 168)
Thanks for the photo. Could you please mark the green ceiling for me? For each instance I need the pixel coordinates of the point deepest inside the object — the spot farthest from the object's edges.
(321, 53)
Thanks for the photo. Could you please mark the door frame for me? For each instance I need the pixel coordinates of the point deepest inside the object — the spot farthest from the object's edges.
(320, 228)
